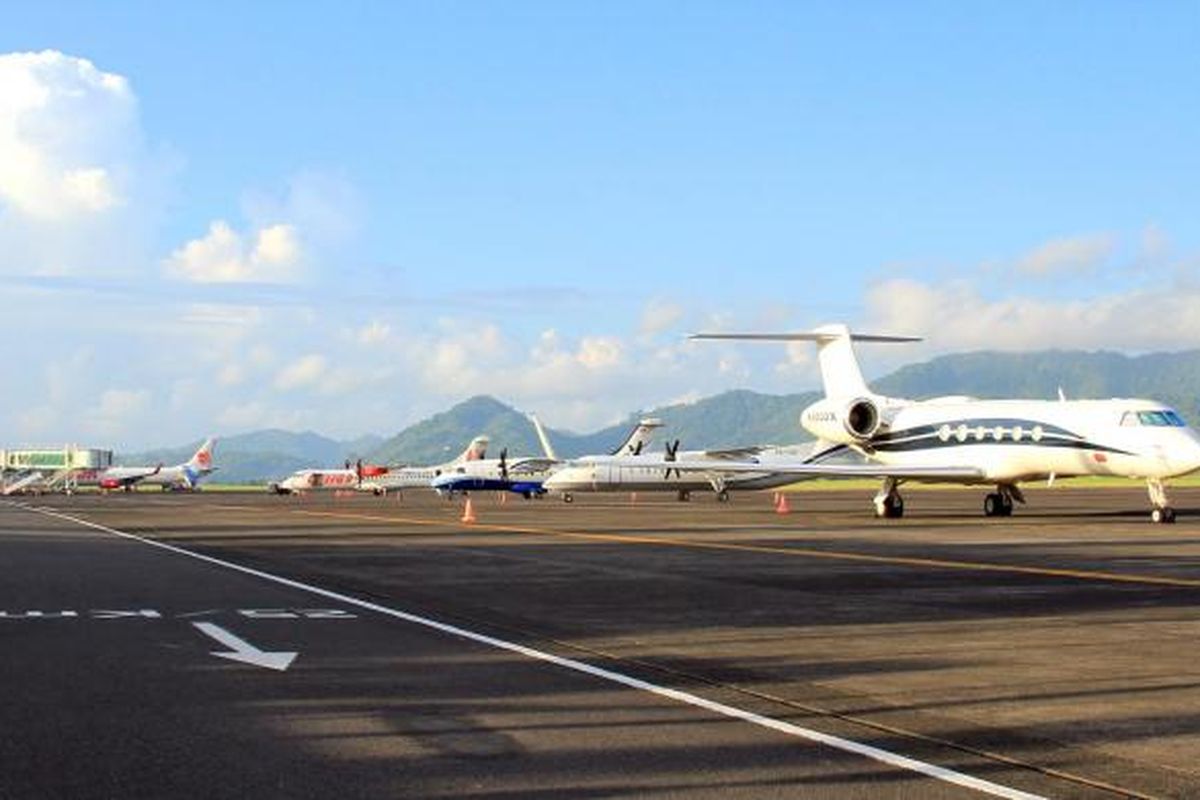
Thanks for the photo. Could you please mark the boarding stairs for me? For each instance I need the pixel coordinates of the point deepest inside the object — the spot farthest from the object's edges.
(23, 482)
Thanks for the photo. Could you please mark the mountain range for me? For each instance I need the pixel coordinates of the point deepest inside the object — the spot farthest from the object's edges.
(738, 417)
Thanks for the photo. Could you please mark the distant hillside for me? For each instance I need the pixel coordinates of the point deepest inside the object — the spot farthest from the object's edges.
(262, 455)
(731, 418)
(443, 436)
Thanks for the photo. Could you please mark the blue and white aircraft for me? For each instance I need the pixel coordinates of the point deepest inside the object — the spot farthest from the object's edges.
(1001, 443)
(526, 476)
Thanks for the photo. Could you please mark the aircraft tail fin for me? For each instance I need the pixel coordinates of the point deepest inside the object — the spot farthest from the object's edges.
(547, 448)
(202, 460)
(638, 438)
(840, 372)
(476, 450)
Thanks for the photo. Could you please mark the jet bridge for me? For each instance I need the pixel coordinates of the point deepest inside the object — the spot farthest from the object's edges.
(48, 469)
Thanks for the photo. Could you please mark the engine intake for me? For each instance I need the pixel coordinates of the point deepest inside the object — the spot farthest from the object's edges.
(841, 422)
(862, 419)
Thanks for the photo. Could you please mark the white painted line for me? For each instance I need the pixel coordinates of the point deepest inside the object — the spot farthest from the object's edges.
(243, 651)
(836, 742)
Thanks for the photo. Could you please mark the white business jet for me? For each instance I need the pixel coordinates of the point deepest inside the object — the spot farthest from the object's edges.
(964, 440)
(644, 475)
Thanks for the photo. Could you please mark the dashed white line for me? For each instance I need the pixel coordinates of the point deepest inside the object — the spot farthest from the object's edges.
(788, 728)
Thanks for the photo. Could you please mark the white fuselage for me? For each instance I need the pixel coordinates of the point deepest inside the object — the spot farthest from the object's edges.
(1019, 440)
(626, 474)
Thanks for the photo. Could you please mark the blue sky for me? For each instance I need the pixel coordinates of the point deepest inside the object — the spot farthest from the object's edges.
(346, 216)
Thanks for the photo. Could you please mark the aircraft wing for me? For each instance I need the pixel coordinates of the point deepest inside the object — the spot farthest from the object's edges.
(734, 453)
(127, 476)
(527, 465)
(803, 469)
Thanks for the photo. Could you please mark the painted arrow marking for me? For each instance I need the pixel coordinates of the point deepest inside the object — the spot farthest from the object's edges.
(243, 651)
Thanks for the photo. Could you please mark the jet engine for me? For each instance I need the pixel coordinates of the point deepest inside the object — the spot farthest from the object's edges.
(842, 422)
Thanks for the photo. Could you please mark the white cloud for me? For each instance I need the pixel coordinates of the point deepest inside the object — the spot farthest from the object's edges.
(375, 332)
(304, 371)
(599, 352)
(659, 316)
(117, 411)
(79, 191)
(955, 317)
(1069, 254)
(231, 375)
(223, 256)
(326, 206)
(65, 127)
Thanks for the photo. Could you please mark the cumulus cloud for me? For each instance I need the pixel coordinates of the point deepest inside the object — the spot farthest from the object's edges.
(304, 371)
(659, 316)
(373, 333)
(271, 255)
(1069, 254)
(117, 410)
(79, 191)
(956, 316)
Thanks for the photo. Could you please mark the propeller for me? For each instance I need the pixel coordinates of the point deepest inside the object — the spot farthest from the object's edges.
(672, 449)
(504, 464)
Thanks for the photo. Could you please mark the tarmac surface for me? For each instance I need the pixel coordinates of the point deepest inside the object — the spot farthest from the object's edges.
(380, 647)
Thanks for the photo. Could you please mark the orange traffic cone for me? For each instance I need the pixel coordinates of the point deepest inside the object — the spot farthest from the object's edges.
(775, 499)
(468, 512)
(783, 507)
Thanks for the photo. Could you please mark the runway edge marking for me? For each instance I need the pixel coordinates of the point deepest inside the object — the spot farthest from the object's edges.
(846, 745)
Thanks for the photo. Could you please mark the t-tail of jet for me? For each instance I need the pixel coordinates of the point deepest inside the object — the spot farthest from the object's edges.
(476, 450)
(840, 372)
(638, 438)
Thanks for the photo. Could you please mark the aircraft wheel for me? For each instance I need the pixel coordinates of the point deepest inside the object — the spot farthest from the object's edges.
(685, 496)
(568, 497)
(891, 507)
(993, 505)
(723, 496)
(1164, 516)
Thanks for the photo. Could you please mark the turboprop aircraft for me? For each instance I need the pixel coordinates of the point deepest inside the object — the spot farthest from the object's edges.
(526, 476)
(185, 476)
(1001, 443)
(371, 477)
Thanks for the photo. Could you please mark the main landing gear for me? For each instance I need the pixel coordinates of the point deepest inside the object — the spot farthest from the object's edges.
(888, 502)
(1000, 502)
(684, 496)
(1162, 513)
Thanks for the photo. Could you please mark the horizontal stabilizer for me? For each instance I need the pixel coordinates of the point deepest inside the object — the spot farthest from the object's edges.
(806, 336)
(835, 352)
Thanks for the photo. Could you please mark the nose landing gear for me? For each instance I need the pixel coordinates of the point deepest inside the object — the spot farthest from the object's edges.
(888, 502)
(1162, 512)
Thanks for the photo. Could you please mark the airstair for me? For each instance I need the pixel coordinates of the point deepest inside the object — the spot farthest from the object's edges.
(23, 482)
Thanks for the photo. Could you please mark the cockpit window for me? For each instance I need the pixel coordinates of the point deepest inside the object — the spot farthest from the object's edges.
(1159, 419)
(1129, 419)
